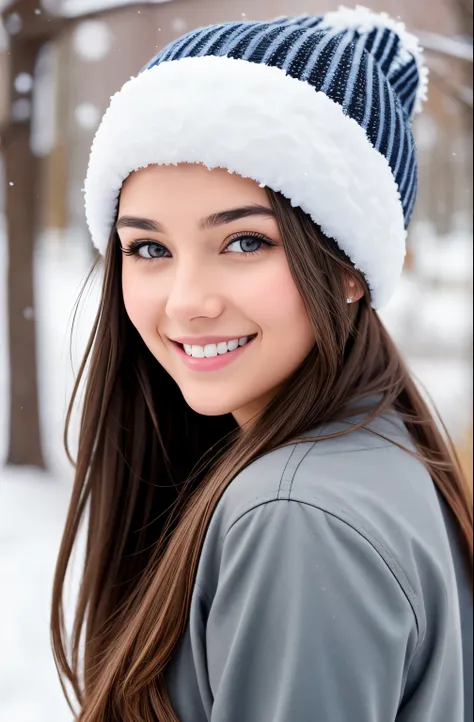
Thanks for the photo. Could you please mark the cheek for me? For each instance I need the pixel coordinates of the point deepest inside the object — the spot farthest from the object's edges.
(141, 301)
(276, 305)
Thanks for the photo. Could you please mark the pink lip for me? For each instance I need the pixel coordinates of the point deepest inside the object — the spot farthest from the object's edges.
(210, 364)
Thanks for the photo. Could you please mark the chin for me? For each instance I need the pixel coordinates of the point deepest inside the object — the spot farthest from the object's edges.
(209, 407)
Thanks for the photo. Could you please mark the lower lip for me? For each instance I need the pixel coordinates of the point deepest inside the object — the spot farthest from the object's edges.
(215, 362)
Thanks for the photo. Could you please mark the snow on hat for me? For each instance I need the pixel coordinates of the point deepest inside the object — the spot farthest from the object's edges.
(317, 108)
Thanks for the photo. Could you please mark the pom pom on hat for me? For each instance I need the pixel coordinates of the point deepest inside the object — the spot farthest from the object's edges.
(365, 21)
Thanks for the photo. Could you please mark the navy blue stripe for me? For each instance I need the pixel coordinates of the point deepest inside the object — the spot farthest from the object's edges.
(242, 42)
(200, 44)
(390, 51)
(411, 198)
(337, 89)
(410, 194)
(171, 49)
(408, 91)
(218, 40)
(296, 53)
(413, 166)
(185, 49)
(272, 53)
(259, 41)
(370, 39)
(382, 136)
(401, 147)
(336, 60)
(410, 103)
(379, 44)
(392, 129)
(411, 71)
(355, 70)
(409, 162)
(238, 34)
(308, 71)
(369, 91)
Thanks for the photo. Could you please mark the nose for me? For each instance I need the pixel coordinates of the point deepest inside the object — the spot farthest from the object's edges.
(193, 293)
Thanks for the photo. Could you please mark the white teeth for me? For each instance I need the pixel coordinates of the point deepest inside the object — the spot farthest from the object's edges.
(212, 349)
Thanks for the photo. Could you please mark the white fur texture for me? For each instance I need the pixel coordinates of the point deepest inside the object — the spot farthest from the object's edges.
(258, 122)
(364, 21)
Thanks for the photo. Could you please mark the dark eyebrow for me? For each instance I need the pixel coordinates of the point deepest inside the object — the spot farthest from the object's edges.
(212, 221)
(143, 224)
(235, 214)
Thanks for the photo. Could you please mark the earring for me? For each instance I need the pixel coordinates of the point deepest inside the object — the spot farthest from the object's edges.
(350, 300)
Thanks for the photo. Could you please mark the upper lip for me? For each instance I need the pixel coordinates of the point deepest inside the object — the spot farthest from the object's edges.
(206, 340)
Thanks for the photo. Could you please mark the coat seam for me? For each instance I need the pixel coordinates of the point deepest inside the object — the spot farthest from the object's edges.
(285, 468)
(409, 593)
(298, 466)
(388, 557)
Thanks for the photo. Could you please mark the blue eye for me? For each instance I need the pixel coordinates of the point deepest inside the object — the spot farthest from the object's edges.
(147, 250)
(248, 244)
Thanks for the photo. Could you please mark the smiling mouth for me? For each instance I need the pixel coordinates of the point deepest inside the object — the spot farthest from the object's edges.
(213, 350)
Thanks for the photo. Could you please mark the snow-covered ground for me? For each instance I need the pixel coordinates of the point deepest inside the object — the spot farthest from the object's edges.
(33, 505)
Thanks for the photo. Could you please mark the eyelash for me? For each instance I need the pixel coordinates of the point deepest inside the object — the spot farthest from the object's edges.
(135, 246)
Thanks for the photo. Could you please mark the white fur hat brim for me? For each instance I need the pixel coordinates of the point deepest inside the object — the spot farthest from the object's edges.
(258, 122)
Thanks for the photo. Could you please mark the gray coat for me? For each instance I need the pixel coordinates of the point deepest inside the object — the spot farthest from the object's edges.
(327, 592)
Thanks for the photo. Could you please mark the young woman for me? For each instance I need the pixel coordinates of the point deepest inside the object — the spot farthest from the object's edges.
(277, 530)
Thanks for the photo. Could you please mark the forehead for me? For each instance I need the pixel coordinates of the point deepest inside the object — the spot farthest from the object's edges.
(189, 187)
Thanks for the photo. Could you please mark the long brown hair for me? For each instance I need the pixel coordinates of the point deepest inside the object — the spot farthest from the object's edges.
(150, 471)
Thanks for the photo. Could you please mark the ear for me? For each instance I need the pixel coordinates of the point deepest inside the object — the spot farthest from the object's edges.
(353, 289)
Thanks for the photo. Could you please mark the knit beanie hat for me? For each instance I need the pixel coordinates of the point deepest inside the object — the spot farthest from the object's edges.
(317, 108)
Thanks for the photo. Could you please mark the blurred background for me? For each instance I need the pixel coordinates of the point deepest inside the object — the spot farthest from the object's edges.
(60, 61)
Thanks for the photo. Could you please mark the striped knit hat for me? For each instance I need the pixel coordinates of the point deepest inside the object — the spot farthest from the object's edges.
(318, 108)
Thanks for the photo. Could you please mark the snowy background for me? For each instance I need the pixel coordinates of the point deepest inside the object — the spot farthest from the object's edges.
(33, 504)
(430, 318)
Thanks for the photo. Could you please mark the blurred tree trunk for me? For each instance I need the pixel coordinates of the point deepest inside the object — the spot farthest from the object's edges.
(21, 170)
(28, 31)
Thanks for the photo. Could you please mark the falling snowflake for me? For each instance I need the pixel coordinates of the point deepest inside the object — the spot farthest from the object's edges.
(23, 83)
(87, 116)
(92, 40)
(179, 25)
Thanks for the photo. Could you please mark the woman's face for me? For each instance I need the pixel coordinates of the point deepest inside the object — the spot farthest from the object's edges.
(207, 272)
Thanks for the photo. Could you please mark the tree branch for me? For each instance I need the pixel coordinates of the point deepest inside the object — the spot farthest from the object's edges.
(47, 25)
(444, 45)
